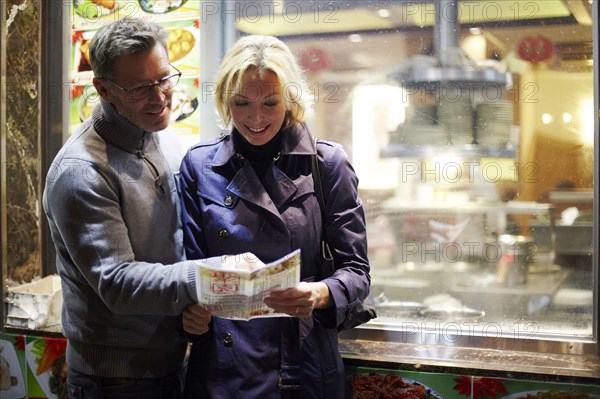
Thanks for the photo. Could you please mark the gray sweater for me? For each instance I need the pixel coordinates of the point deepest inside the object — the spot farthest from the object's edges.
(112, 205)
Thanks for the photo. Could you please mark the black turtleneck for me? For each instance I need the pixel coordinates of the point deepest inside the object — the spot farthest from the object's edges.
(259, 156)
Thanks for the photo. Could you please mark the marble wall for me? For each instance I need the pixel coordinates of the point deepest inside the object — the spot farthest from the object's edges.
(21, 138)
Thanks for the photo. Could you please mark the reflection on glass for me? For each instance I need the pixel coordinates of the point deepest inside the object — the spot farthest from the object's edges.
(473, 140)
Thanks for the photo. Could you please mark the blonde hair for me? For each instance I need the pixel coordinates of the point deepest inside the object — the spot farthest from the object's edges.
(263, 53)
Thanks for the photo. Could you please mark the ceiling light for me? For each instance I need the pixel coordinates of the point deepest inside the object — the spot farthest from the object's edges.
(547, 119)
(384, 13)
(355, 38)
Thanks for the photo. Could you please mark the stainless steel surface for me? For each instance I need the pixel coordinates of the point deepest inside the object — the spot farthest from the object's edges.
(537, 284)
(453, 315)
(453, 71)
(465, 150)
(515, 256)
(447, 28)
(448, 337)
(399, 308)
(430, 77)
(411, 353)
(501, 208)
(447, 51)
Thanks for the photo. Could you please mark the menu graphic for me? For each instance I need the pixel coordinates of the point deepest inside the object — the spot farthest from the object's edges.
(181, 19)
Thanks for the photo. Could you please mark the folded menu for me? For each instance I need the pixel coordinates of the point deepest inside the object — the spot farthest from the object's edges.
(234, 286)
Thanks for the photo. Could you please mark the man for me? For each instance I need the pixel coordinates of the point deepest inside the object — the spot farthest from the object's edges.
(112, 205)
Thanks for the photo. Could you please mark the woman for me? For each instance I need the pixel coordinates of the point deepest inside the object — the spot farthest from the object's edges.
(252, 191)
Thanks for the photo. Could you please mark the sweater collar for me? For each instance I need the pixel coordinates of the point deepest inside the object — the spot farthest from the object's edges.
(295, 140)
(117, 130)
(256, 153)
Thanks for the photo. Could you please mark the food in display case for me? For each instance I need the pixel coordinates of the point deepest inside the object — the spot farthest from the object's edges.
(388, 386)
(184, 102)
(95, 8)
(180, 43)
(84, 60)
(160, 6)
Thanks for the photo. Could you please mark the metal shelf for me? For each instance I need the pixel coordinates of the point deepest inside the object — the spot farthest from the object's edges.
(395, 206)
(431, 78)
(465, 150)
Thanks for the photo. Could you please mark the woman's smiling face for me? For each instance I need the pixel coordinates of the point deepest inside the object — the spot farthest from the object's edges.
(258, 109)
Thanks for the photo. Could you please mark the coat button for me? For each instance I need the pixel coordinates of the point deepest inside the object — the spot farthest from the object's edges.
(223, 233)
(228, 339)
(228, 200)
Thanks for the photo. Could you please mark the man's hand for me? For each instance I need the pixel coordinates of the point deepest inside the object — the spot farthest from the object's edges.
(196, 319)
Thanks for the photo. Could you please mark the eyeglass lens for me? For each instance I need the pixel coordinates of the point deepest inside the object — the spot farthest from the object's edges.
(164, 85)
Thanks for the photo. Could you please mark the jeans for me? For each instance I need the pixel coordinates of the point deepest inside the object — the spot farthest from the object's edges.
(83, 386)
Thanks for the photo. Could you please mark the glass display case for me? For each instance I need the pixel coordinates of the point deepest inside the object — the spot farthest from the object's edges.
(472, 127)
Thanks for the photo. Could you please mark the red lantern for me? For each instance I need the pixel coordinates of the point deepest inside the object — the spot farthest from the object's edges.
(314, 60)
(536, 48)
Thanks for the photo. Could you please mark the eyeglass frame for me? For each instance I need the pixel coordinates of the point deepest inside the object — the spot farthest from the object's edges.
(149, 86)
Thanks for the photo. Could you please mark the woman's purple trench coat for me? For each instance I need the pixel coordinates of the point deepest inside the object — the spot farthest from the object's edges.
(227, 210)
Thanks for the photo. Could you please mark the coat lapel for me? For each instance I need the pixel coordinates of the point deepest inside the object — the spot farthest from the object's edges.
(281, 188)
(246, 185)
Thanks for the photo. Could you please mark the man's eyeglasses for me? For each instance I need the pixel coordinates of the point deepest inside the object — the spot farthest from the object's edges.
(141, 92)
